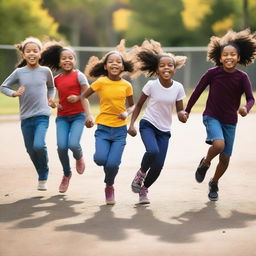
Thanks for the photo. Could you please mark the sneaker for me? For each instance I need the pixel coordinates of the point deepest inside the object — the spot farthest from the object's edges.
(80, 165)
(42, 186)
(110, 195)
(213, 190)
(201, 171)
(64, 183)
(143, 198)
(137, 181)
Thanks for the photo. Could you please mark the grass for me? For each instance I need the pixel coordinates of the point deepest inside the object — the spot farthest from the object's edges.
(10, 106)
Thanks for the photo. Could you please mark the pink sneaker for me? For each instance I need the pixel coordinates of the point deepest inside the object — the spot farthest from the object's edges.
(110, 195)
(143, 198)
(80, 165)
(137, 181)
(64, 183)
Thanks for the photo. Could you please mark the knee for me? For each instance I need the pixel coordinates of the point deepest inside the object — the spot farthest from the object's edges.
(153, 152)
(112, 167)
(62, 149)
(219, 145)
(39, 148)
(99, 160)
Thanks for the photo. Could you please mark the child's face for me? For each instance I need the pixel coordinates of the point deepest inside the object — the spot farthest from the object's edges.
(229, 58)
(114, 65)
(166, 68)
(67, 61)
(32, 54)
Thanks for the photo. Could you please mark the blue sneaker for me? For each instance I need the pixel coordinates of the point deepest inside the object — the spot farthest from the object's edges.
(201, 171)
(213, 190)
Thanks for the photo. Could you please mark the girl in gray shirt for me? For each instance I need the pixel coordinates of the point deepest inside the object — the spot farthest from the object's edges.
(36, 93)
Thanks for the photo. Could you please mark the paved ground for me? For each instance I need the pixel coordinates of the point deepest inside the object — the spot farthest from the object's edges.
(179, 221)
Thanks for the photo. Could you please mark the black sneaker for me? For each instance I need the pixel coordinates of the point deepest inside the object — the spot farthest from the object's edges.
(201, 171)
(213, 190)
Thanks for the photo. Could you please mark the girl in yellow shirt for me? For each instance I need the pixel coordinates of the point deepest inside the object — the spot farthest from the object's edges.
(114, 93)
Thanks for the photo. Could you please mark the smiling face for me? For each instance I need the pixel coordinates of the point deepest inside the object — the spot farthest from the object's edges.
(229, 58)
(32, 54)
(114, 66)
(67, 61)
(166, 69)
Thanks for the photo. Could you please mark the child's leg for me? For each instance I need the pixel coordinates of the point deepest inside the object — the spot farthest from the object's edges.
(41, 123)
(214, 150)
(221, 167)
(111, 167)
(76, 131)
(158, 163)
(63, 129)
(148, 136)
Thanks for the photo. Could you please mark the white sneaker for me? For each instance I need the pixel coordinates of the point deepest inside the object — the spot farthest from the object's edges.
(42, 186)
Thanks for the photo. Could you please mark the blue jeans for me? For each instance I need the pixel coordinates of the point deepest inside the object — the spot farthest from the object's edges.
(34, 132)
(109, 144)
(69, 133)
(156, 143)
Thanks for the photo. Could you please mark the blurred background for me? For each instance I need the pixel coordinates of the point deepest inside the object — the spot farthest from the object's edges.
(93, 27)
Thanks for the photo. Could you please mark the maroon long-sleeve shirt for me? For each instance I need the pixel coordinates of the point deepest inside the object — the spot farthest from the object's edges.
(225, 92)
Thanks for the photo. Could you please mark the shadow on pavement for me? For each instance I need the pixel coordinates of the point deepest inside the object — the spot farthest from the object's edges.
(50, 209)
(107, 227)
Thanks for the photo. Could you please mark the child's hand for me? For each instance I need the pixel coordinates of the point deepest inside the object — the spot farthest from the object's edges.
(123, 115)
(59, 106)
(132, 131)
(51, 103)
(19, 92)
(242, 111)
(73, 98)
(183, 116)
(89, 123)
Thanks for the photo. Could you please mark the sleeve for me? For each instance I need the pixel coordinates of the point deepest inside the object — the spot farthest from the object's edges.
(147, 88)
(129, 91)
(82, 80)
(9, 83)
(248, 93)
(50, 84)
(95, 86)
(202, 84)
(181, 93)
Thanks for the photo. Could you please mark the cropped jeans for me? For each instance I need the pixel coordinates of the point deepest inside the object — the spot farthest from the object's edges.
(109, 144)
(156, 143)
(34, 132)
(69, 133)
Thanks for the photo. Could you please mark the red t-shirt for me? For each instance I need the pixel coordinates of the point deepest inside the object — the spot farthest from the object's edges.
(66, 85)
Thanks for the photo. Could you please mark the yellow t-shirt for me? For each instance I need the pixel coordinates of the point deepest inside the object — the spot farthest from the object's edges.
(112, 95)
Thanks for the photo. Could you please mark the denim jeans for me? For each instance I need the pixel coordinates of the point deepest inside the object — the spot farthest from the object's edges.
(69, 133)
(156, 143)
(109, 144)
(34, 132)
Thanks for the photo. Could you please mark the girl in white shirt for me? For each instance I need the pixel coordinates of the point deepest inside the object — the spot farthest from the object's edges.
(162, 94)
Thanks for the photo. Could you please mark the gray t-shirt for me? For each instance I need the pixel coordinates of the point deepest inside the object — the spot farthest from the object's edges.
(39, 86)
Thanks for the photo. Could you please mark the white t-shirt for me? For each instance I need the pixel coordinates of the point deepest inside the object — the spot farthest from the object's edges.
(161, 102)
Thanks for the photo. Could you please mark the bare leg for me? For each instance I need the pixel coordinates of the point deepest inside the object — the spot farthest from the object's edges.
(216, 148)
(221, 167)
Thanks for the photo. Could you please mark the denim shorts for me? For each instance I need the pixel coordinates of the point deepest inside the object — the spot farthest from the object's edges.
(217, 130)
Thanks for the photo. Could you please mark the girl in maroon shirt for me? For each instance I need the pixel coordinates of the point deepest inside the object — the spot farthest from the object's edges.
(226, 87)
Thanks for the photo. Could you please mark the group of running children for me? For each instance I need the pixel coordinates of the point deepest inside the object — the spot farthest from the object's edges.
(32, 81)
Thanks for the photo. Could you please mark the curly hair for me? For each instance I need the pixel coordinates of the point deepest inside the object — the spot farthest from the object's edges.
(21, 47)
(50, 56)
(149, 55)
(95, 67)
(243, 41)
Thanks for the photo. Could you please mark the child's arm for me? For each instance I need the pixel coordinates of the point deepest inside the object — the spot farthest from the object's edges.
(10, 81)
(182, 115)
(243, 111)
(129, 110)
(50, 89)
(87, 110)
(132, 131)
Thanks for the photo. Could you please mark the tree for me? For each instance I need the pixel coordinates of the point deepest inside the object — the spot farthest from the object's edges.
(19, 19)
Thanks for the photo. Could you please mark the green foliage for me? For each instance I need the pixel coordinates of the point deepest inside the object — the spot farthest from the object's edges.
(19, 19)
